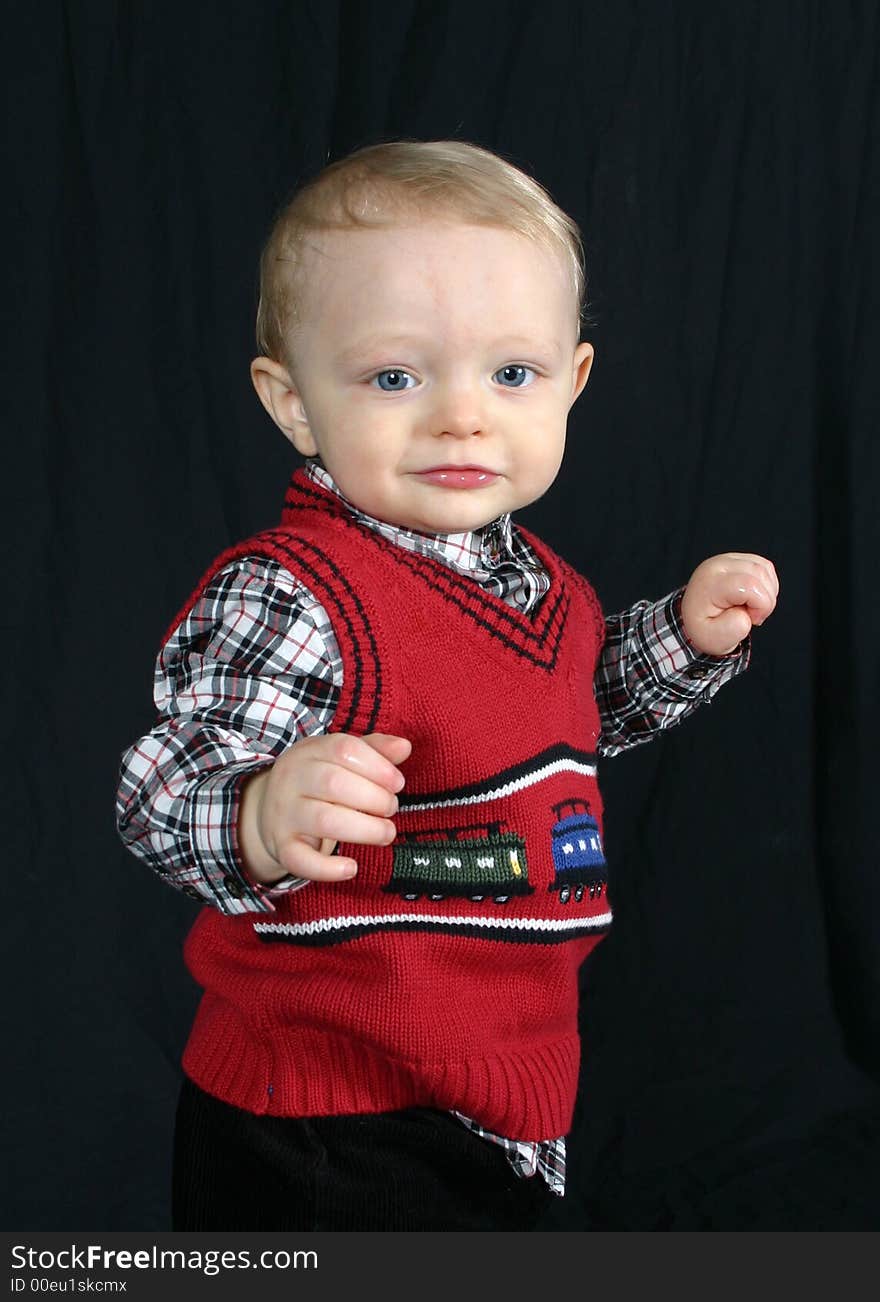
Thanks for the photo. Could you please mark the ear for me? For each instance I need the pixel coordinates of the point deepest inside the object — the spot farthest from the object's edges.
(283, 401)
(583, 360)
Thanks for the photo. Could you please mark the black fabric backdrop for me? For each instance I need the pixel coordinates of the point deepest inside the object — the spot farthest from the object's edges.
(723, 164)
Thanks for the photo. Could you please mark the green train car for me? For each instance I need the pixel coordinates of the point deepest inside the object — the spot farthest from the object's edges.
(475, 862)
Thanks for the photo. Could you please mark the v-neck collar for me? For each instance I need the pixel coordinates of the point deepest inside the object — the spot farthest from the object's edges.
(534, 634)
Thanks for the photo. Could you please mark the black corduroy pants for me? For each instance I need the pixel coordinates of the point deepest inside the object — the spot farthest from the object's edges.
(416, 1169)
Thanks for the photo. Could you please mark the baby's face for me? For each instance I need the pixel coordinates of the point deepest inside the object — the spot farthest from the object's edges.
(437, 364)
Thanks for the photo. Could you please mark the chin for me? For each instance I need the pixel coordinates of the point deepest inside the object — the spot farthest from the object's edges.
(463, 523)
(465, 516)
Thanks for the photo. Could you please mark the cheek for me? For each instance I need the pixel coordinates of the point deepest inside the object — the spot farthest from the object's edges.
(377, 436)
(546, 449)
(544, 429)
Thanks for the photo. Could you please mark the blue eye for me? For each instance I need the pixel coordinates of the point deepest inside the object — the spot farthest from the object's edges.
(394, 381)
(513, 377)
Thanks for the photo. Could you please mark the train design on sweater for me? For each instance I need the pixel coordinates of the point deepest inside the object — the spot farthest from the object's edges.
(542, 880)
(481, 861)
(578, 860)
(476, 861)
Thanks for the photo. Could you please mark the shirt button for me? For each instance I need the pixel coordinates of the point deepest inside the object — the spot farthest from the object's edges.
(696, 671)
(234, 886)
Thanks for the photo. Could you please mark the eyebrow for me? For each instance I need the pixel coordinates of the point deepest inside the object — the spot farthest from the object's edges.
(383, 343)
(550, 347)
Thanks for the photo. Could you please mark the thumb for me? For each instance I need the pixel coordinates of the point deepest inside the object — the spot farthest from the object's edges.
(730, 628)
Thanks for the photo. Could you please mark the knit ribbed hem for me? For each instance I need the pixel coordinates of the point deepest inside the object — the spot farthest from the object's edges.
(525, 1094)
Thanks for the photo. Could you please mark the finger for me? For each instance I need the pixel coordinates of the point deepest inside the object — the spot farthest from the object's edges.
(744, 556)
(301, 859)
(336, 822)
(375, 756)
(338, 785)
(396, 749)
(743, 590)
(766, 567)
(771, 587)
(774, 577)
(768, 573)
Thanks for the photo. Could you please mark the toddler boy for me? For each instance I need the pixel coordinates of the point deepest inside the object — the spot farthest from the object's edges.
(379, 722)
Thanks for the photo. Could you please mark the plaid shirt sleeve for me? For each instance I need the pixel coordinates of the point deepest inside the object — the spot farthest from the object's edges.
(649, 677)
(254, 666)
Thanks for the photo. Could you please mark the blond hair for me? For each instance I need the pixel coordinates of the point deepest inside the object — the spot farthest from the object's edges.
(382, 184)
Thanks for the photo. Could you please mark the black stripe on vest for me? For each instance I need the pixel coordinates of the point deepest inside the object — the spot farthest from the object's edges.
(500, 784)
(279, 540)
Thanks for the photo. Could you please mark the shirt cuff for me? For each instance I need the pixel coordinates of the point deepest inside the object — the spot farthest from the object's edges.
(213, 829)
(678, 658)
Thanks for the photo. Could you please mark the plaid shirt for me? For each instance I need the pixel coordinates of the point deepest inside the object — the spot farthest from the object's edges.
(255, 666)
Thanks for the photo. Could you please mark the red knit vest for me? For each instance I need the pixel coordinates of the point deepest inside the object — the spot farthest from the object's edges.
(445, 973)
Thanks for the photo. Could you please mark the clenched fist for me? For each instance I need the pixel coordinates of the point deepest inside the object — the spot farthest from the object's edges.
(725, 596)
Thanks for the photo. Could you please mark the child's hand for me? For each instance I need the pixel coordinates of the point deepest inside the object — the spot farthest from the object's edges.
(336, 787)
(724, 597)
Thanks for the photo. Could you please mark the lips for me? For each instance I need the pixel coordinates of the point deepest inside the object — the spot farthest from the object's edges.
(458, 476)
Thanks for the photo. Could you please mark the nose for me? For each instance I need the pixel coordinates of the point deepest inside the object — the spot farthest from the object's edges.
(458, 412)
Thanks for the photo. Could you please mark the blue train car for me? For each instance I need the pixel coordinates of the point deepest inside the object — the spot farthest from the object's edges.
(578, 859)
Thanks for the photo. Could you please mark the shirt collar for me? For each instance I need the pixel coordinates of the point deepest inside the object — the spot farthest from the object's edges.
(479, 549)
